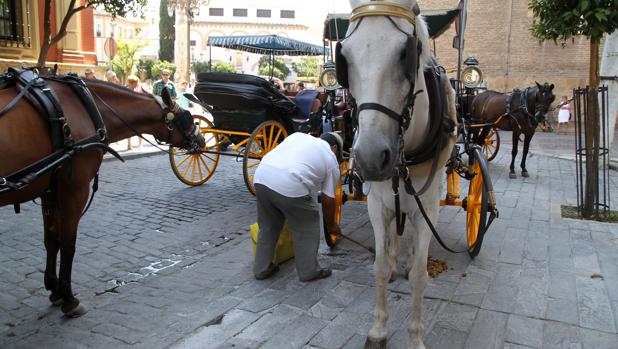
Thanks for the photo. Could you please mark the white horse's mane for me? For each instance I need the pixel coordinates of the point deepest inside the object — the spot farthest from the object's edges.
(422, 33)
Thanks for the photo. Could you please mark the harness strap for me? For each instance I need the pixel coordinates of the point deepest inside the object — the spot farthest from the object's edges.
(17, 98)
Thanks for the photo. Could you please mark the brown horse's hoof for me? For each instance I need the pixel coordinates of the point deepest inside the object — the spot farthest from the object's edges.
(55, 299)
(371, 343)
(74, 312)
(525, 174)
(512, 175)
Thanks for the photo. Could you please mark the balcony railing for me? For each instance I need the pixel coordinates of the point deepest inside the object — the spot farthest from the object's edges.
(14, 23)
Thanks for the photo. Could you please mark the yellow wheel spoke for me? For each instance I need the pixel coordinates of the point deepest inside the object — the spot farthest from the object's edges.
(178, 164)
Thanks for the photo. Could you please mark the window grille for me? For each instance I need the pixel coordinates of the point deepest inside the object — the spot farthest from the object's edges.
(287, 14)
(240, 12)
(14, 25)
(215, 11)
(263, 13)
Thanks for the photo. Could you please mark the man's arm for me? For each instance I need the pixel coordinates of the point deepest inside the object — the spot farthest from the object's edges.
(328, 210)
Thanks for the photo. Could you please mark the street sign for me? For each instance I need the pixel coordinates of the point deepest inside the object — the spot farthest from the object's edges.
(110, 48)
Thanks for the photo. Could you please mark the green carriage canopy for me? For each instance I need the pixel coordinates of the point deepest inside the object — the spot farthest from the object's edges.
(267, 45)
(336, 24)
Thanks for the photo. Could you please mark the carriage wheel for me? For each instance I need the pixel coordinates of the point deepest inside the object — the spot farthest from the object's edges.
(263, 139)
(491, 144)
(476, 205)
(195, 168)
(332, 239)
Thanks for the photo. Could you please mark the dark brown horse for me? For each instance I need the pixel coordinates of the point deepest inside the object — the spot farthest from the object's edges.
(25, 139)
(520, 112)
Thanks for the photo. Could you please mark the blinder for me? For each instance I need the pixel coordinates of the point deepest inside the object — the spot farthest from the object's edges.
(412, 51)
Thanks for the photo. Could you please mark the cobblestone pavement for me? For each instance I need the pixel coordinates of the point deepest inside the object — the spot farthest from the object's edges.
(162, 265)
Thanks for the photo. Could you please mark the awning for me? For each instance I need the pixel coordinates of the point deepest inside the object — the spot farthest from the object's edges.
(267, 45)
(336, 24)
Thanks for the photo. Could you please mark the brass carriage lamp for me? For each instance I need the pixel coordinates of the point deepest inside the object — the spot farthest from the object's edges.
(328, 77)
(471, 76)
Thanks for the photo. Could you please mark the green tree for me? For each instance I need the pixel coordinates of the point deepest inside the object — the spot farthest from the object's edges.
(167, 33)
(561, 20)
(125, 61)
(113, 7)
(224, 67)
(280, 70)
(146, 65)
(306, 67)
(158, 66)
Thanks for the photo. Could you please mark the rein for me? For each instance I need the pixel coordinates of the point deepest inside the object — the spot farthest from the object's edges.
(127, 125)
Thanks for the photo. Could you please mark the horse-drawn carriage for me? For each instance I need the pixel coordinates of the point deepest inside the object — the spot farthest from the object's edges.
(248, 112)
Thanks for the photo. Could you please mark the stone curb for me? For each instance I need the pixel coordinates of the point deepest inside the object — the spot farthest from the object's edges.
(135, 155)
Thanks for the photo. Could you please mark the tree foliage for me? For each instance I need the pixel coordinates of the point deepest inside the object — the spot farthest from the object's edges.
(224, 67)
(306, 67)
(559, 20)
(146, 66)
(125, 61)
(113, 7)
(280, 70)
(158, 67)
(167, 33)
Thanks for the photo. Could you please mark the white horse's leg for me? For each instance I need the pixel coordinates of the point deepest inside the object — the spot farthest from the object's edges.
(377, 214)
(393, 250)
(418, 273)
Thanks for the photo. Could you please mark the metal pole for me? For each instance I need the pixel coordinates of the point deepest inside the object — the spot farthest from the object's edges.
(462, 19)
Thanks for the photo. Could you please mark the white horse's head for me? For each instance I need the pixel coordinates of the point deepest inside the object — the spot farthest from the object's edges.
(381, 61)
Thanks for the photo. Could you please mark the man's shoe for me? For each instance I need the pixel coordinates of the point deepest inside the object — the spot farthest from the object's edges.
(322, 273)
(272, 269)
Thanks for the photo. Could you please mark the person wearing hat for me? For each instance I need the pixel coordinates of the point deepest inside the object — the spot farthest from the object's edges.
(89, 74)
(286, 183)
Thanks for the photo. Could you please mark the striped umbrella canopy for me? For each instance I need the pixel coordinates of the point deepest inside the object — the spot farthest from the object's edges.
(267, 45)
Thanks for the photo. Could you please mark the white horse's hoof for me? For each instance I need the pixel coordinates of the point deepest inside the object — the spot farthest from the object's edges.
(371, 343)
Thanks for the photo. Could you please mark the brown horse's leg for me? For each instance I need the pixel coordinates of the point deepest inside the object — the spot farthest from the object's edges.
(73, 202)
(514, 154)
(527, 139)
(51, 246)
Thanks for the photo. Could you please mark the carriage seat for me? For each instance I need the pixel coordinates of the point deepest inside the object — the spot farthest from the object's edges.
(230, 91)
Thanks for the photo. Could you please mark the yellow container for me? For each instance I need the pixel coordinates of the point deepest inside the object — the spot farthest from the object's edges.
(285, 247)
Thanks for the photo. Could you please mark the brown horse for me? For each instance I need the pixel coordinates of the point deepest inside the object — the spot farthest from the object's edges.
(25, 139)
(519, 112)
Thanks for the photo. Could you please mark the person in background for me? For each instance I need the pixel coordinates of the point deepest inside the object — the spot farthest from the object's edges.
(564, 114)
(287, 181)
(301, 86)
(89, 74)
(159, 85)
(278, 83)
(182, 101)
(110, 76)
(133, 83)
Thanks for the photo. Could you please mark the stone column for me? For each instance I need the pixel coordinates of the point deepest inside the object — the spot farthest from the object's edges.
(181, 45)
(609, 67)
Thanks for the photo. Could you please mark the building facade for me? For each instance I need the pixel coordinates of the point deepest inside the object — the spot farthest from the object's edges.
(293, 19)
(497, 34)
(21, 30)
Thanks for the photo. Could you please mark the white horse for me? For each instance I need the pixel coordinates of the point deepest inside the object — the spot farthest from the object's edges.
(380, 64)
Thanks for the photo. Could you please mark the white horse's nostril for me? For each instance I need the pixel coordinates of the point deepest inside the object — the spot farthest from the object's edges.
(385, 158)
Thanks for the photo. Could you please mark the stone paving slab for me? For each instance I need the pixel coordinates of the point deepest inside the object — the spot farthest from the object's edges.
(160, 265)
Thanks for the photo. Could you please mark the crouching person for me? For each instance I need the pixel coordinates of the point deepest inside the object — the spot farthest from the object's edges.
(286, 184)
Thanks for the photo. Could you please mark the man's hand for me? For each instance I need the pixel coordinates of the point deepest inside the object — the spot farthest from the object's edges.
(328, 210)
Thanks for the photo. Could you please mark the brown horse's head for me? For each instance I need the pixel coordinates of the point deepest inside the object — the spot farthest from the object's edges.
(544, 98)
(179, 123)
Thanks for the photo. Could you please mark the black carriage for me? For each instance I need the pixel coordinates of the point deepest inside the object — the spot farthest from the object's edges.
(250, 116)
